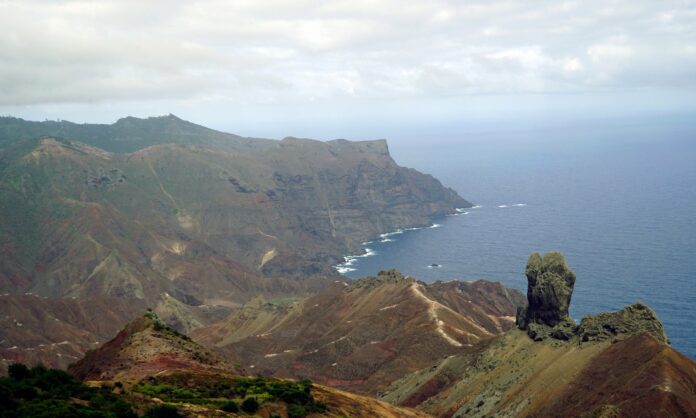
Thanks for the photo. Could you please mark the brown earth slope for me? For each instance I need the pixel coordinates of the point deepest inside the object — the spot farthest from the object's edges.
(361, 336)
(616, 364)
(146, 347)
(647, 379)
(57, 332)
(189, 221)
(147, 356)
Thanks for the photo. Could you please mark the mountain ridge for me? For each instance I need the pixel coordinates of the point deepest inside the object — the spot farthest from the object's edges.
(361, 336)
(616, 364)
(185, 225)
(154, 365)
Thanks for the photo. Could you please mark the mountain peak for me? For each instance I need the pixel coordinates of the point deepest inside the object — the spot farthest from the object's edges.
(384, 277)
(144, 347)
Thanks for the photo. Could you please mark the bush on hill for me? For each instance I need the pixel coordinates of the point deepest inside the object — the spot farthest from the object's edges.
(47, 393)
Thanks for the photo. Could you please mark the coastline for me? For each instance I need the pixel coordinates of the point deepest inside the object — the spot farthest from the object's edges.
(348, 260)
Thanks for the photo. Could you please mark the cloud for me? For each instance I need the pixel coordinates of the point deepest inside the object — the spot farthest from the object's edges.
(301, 51)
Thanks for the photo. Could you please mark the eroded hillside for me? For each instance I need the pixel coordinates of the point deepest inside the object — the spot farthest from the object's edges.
(616, 364)
(186, 220)
(361, 336)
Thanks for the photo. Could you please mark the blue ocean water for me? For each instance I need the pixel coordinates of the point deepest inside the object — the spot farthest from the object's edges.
(618, 201)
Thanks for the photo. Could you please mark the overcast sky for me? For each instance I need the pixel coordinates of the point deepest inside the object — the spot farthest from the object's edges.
(346, 68)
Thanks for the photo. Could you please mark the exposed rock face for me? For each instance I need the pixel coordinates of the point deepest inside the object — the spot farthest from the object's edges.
(631, 320)
(549, 289)
(183, 218)
(615, 364)
(57, 332)
(515, 376)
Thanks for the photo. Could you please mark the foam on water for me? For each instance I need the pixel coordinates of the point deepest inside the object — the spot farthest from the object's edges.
(348, 261)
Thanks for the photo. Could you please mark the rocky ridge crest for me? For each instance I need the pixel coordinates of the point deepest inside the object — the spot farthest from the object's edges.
(550, 283)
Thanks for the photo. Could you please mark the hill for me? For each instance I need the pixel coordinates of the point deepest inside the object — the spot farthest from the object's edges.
(186, 220)
(361, 336)
(58, 331)
(154, 365)
(613, 365)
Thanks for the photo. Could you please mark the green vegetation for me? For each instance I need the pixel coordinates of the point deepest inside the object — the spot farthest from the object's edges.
(50, 393)
(232, 394)
(230, 406)
(250, 405)
(163, 411)
(160, 326)
(42, 392)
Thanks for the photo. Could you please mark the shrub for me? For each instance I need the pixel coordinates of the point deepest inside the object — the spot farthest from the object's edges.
(163, 411)
(18, 371)
(230, 406)
(48, 393)
(297, 411)
(250, 405)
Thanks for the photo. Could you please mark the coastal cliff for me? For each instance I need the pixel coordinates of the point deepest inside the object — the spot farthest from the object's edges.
(188, 220)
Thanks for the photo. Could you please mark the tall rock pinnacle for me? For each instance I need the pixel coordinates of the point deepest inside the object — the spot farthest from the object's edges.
(550, 285)
(549, 289)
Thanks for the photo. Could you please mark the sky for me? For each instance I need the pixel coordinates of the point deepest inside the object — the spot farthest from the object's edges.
(348, 68)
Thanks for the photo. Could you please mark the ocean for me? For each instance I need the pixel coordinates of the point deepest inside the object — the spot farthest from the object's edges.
(618, 200)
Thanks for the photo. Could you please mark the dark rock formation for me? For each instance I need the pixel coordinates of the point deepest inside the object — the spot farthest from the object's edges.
(549, 289)
(631, 320)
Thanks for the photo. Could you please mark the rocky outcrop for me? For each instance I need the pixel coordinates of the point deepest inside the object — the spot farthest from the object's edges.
(550, 285)
(549, 291)
(616, 364)
(631, 320)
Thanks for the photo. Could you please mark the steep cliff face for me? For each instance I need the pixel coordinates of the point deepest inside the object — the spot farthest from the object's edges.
(361, 336)
(190, 221)
(617, 364)
(73, 213)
